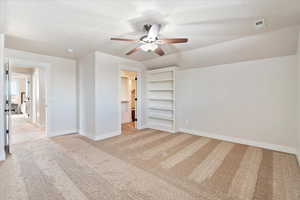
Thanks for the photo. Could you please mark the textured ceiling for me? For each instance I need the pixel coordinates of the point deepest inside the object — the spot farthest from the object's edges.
(52, 26)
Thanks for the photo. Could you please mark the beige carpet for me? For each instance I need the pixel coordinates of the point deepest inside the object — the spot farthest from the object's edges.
(22, 130)
(149, 165)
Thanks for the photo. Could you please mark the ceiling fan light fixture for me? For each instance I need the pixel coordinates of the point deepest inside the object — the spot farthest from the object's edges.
(151, 42)
(149, 47)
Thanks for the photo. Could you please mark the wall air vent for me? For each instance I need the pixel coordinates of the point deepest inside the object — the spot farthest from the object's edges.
(260, 23)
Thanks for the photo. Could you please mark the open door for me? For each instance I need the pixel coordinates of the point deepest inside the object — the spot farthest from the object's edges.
(134, 100)
(7, 109)
(129, 101)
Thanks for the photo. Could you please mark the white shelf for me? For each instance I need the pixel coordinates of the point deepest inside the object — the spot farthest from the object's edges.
(163, 117)
(162, 80)
(161, 90)
(160, 99)
(161, 108)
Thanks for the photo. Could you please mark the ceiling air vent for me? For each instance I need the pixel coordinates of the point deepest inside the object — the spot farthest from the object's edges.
(260, 23)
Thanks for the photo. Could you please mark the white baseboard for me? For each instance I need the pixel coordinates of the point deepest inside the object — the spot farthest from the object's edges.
(142, 127)
(106, 135)
(100, 136)
(274, 147)
(81, 132)
(59, 133)
(161, 128)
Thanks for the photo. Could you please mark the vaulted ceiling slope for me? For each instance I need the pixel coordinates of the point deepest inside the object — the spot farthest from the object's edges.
(282, 42)
(218, 29)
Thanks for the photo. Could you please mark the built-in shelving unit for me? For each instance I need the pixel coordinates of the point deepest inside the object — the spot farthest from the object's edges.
(161, 99)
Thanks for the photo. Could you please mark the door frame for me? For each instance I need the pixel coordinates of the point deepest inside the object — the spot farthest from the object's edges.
(7, 105)
(2, 102)
(138, 94)
(16, 62)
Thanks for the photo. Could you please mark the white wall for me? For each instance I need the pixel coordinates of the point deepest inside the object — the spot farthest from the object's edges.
(38, 97)
(34, 103)
(250, 101)
(99, 75)
(125, 89)
(61, 90)
(2, 153)
(107, 92)
(107, 95)
(42, 98)
(86, 72)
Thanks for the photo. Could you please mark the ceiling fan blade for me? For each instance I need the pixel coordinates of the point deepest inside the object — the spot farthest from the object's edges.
(159, 51)
(123, 39)
(132, 51)
(173, 40)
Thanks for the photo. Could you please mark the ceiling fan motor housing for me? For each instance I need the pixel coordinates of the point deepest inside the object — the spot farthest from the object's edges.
(147, 27)
(152, 31)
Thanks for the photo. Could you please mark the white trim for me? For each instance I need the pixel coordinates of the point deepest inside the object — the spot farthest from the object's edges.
(2, 131)
(107, 135)
(143, 127)
(85, 134)
(160, 128)
(298, 158)
(242, 141)
(59, 133)
(82, 133)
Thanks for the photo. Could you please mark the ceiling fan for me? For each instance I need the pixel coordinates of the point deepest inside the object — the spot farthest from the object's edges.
(151, 41)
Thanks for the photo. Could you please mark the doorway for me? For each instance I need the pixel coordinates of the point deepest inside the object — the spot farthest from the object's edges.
(27, 95)
(129, 104)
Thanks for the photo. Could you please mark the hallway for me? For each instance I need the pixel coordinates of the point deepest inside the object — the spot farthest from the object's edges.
(22, 130)
(129, 128)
